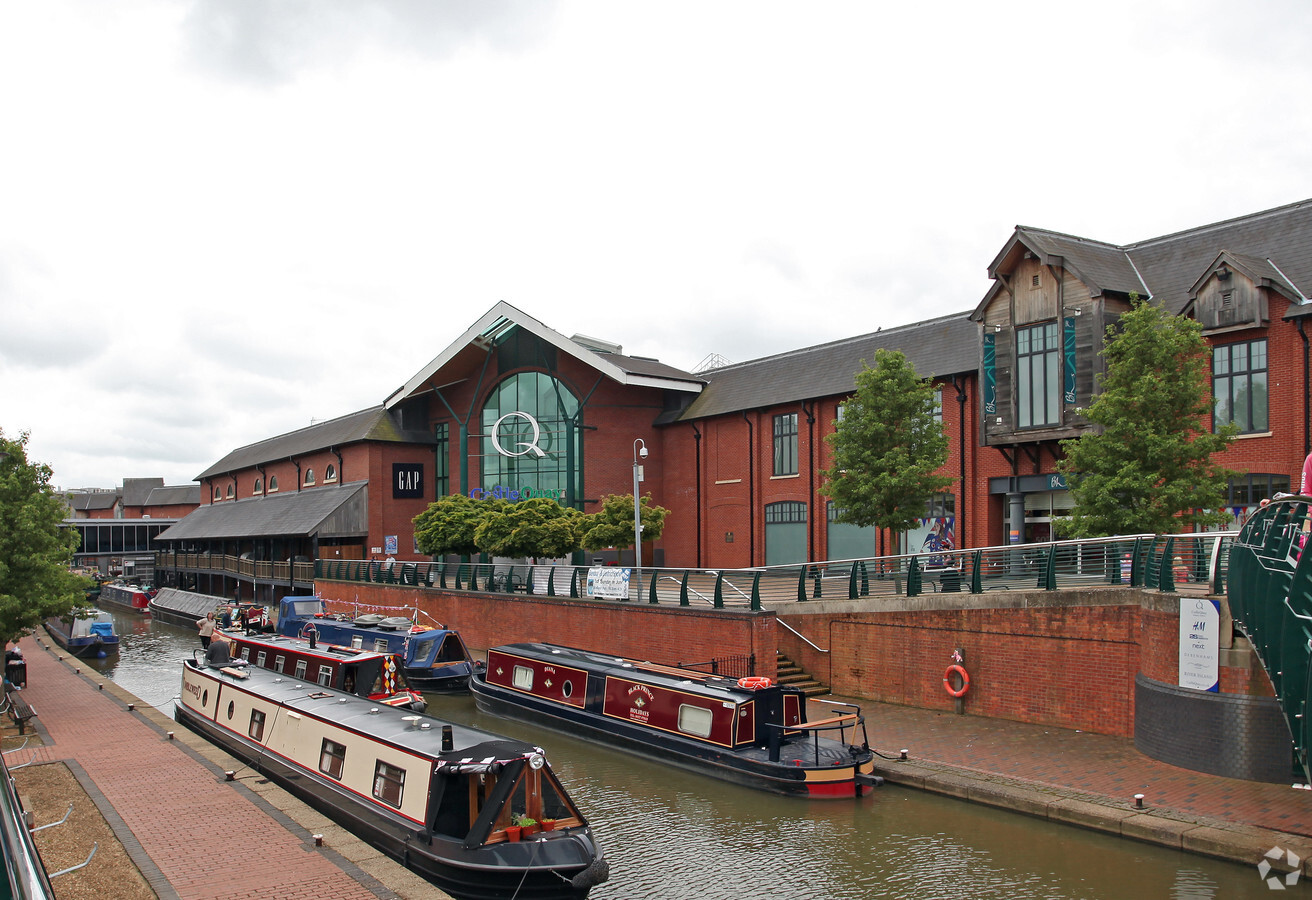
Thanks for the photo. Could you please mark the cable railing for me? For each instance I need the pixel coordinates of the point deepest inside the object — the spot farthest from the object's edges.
(1161, 562)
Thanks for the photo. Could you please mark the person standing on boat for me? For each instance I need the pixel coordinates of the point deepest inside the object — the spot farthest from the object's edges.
(206, 627)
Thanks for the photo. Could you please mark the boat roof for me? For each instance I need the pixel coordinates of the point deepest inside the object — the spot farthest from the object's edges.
(400, 727)
(689, 680)
(322, 650)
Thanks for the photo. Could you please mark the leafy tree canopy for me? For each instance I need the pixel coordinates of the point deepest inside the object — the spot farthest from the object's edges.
(35, 553)
(612, 525)
(1147, 468)
(887, 447)
(536, 527)
(449, 524)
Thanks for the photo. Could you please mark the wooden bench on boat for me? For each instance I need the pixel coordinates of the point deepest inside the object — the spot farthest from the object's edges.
(19, 710)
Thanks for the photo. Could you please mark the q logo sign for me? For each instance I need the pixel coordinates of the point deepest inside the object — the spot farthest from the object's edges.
(523, 447)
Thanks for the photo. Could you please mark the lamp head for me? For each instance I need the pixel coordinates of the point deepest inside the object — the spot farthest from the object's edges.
(642, 452)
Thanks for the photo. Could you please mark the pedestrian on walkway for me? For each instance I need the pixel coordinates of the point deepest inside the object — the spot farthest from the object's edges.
(206, 626)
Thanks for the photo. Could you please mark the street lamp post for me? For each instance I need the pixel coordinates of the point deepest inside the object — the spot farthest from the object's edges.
(639, 452)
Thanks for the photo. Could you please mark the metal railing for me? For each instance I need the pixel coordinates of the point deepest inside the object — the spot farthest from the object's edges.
(1165, 563)
(1270, 593)
(284, 572)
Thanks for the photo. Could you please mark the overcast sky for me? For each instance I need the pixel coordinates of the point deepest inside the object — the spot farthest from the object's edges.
(221, 220)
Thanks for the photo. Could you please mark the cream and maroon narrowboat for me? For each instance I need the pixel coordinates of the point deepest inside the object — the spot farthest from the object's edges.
(439, 798)
(747, 731)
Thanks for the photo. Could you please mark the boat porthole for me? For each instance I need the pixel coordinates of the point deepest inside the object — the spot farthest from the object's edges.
(567, 688)
(205, 698)
(232, 707)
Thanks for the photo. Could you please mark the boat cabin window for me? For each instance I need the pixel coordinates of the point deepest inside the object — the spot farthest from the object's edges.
(380, 645)
(326, 676)
(301, 667)
(389, 782)
(452, 651)
(245, 653)
(522, 678)
(538, 795)
(279, 662)
(694, 720)
(256, 730)
(262, 659)
(332, 758)
(421, 650)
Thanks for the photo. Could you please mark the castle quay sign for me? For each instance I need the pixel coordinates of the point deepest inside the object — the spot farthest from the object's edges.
(1200, 619)
(523, 447)
(514, 495)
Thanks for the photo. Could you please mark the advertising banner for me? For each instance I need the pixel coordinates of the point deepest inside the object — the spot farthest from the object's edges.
(608, 581)
(1200, 646)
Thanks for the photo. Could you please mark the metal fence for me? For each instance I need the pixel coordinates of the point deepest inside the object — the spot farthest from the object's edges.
(1161, 562)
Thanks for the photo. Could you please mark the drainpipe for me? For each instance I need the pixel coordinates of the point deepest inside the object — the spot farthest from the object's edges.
(297, 464)
(960, 385)
(811, 524)
(751, 491)
(1307, 414)
(697, 491)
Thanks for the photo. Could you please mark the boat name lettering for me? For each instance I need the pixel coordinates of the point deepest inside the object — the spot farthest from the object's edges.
(193, 689)
(641, 688)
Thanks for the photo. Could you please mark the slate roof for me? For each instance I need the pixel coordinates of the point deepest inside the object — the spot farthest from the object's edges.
(1276, 243)
(373, 424)
(294, 514)
(174, 495)
(937, 348)
(89, 500)
(136, 490)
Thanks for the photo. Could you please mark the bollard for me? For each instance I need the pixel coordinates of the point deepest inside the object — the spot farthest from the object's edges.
(1138, 801)
(318, 840)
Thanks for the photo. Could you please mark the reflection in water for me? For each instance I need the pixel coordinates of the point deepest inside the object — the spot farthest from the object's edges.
(670, 835)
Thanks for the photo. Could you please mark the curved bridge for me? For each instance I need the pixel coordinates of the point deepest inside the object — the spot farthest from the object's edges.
(1270, 593)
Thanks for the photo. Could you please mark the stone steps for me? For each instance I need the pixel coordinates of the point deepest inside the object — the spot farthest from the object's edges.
(788, 672)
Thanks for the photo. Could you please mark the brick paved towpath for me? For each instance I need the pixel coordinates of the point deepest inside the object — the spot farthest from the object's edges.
(193, 834)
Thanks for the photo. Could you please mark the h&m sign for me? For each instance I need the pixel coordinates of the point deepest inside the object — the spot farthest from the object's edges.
(408, 481)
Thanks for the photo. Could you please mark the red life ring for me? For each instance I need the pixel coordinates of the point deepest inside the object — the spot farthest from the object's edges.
(947, 681)
(754, 682)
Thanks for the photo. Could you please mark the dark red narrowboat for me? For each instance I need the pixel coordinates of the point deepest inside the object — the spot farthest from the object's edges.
(130, 597)
(749, 731)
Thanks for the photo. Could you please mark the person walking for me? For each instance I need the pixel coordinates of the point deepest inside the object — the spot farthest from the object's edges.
(206, 627)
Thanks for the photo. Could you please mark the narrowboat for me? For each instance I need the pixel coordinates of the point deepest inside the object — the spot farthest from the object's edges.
(435, 658)
(130, 597)
(183, 608)
(447, 801)
(749, 731)
(373, 676)
(91, 637)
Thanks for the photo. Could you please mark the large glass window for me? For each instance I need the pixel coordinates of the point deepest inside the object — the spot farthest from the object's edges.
(1038, 376)
(529, 439)
(785, 444)
(441, 459)
(1239, 386)
(847, 541)
(785, 533)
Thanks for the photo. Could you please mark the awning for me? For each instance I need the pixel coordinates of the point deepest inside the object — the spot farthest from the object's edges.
(325, 512)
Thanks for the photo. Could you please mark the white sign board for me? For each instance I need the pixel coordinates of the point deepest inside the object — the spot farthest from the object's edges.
(608, 581)
(1200, 645)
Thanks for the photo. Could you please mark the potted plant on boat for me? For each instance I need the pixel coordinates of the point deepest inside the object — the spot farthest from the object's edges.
(513, 832)
(528, 825)
(548, 824)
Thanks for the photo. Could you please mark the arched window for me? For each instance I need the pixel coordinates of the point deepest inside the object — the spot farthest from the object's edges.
(528, 426)
(273, 483)
(259, 486)
(329, 474)
(230, 492)
(218, 493)
(309, 476)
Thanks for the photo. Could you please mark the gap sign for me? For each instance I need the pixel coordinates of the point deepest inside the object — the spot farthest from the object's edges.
(408, 481)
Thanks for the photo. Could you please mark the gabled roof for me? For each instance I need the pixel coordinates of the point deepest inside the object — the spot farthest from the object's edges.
(1169, 268)
(89, 500)
(136, 490)
(474, 344)
(174, 495)
(373, 424)
(293, 514)
(936, 348)
(1259, 271)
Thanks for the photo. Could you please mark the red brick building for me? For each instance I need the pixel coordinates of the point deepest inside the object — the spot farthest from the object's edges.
(514, 408)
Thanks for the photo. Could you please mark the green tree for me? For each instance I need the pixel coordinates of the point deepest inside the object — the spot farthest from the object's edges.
(612, 525)
(887, 447)
(536, 527)
(1146, 468)
(35, 553)
(448, 525)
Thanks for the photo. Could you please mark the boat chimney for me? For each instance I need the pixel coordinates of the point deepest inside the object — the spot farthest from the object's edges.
(447, 743)
(313, 635)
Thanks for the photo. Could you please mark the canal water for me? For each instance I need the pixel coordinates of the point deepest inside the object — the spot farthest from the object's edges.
(673, 835)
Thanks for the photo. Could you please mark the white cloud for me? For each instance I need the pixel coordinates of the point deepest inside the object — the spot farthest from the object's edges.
(224, 219)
